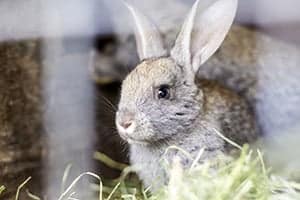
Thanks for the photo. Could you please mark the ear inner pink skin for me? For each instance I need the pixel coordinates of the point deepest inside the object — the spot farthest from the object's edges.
(148, 38)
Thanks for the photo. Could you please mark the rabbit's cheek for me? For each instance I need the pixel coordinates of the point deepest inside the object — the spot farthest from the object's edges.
(144, 128)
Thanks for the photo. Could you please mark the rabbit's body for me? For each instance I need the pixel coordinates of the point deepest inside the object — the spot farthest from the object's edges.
(262, 70)
(191, 119)
(221, 110)
(164, 103)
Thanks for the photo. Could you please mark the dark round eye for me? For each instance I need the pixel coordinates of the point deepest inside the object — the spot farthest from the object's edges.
(163, 92)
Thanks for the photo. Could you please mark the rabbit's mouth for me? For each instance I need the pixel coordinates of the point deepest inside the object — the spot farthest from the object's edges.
(131, 140)
(138, 142)
(131, 134)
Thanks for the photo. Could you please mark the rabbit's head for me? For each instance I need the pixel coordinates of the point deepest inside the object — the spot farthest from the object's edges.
(159, 98)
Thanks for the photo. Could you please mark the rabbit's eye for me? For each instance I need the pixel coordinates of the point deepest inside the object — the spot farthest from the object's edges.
(163, 92)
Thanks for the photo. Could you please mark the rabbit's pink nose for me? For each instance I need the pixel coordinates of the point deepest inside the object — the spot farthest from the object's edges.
(125, 121)
(126, 124)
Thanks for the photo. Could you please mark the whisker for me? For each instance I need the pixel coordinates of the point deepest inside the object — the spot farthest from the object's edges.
(112, 131)
(108, 109)
(108, 102)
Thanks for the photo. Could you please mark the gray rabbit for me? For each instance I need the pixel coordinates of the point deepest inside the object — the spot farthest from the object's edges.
(163, 102)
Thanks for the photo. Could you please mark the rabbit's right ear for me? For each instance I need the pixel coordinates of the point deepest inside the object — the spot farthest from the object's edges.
(202, 34)
(148, 39)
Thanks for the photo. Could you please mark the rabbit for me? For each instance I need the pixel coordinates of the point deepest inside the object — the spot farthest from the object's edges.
(164, 103)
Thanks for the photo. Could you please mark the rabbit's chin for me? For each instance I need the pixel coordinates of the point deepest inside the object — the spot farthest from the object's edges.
(130, 140)
(137, 142)
(144, 141)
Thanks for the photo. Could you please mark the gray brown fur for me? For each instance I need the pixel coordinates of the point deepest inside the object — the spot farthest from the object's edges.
(205, 107)
(194, 112)
(200, 107)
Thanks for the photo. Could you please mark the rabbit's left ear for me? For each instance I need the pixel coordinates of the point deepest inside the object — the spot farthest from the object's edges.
(148, 39)
(201, 35)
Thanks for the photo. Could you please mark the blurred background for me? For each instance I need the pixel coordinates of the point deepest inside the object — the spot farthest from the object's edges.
(56, 96)
(94, 17)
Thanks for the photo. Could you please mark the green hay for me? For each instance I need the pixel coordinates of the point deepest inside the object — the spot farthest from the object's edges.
(32, 196)
(20, 187)
(242, 178)
(109, 162)
(2, 188)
